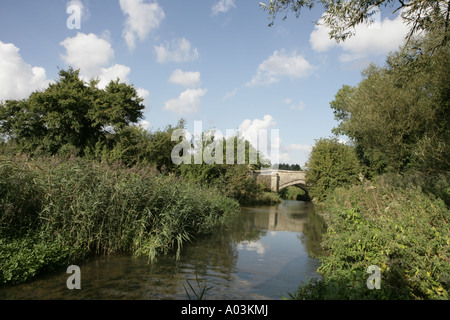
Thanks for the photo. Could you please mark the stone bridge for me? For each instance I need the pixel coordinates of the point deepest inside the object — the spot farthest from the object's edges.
(277, 180)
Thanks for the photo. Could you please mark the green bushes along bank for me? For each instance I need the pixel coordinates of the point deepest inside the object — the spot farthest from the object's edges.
(403, 231)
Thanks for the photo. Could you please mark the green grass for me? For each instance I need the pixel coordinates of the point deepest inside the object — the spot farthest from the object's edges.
(54, 212)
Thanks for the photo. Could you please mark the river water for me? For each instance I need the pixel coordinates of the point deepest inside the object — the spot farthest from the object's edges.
(264, 254)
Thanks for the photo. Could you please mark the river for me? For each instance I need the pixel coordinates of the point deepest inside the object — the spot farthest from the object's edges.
(264, 254)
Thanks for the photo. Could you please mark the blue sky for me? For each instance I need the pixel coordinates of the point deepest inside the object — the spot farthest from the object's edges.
(213, 61)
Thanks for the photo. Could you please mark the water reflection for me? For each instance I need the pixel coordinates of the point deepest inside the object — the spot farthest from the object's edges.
(264, 254)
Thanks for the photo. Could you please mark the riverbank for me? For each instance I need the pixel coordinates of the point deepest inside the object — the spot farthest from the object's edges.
(55, 212)
(401, 230)
(262, 254)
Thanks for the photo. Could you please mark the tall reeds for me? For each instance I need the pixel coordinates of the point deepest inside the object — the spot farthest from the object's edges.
(96, 208)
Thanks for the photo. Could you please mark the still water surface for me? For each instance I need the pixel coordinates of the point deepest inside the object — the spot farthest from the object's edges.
(264, 254)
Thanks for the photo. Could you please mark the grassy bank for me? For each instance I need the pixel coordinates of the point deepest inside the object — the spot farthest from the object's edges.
(55, 212)
(401, 229)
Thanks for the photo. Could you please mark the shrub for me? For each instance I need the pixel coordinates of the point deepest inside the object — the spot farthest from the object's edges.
(404, 232)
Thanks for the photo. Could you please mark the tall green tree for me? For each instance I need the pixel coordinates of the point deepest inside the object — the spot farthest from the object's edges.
(70, 114)
(159, 147)
(331, 164)
(398, 115)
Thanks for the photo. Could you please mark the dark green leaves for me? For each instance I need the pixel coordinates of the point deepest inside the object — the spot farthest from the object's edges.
(69, 114)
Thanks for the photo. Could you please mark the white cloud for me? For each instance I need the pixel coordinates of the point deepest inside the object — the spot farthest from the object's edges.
(144, 94)
(179, 50)
(274, 148)
(111, 74)
(256, 132)
(230, 94)
(376, 39)
(257, 246)
(299, 106)
(185, 78)
(92, 55)
(187, 102)
(281, 64)
(144, 124)
(222, 6)
(87, 52)
(141, 19)
(251, 128)
(17, 78)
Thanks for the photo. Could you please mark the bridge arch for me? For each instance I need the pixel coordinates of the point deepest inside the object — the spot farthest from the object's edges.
(277, 180)
(299, 184)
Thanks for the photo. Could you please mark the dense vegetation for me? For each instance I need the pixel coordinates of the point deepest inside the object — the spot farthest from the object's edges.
(401, 230)
(79, 176)
(385, 194)
(56, 211)
(331, 164)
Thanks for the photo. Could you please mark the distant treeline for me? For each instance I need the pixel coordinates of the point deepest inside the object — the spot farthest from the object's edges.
(286, 166)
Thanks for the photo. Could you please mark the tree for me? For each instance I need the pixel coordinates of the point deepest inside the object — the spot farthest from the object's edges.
(331, 164)
(70, 114)
(398, 115)
(159, 147)
(343, 16)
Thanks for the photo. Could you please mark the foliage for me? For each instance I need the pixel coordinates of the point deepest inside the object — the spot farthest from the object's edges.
(286, 166)
(341, 17)
(233, 177)
(76, 207)
(402, 231)
(398, 115)
(331, 165)
(135, 145)
(70, 115)
(21, 259)
(294, 193)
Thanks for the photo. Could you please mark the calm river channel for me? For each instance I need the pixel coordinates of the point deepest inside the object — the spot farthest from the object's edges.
(264, 254)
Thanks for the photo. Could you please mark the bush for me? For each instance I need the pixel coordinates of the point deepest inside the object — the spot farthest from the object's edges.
(23, 258)
(404, 232)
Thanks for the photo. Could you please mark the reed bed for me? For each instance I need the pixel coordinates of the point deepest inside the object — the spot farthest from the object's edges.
(56, 211)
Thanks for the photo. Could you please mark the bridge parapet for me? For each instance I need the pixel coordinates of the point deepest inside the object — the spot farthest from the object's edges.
(277, 180)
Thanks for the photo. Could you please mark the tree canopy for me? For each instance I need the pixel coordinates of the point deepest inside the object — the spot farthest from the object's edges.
(343, 16)
(70, 115)
(331, 164)
(398, 115)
